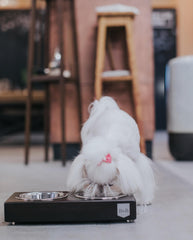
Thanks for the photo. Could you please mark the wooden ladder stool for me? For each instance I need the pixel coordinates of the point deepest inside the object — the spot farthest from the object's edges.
(118, 16)
(61, 79)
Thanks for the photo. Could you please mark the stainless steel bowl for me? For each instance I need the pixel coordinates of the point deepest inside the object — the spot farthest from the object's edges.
(41, 196)
(81, 196)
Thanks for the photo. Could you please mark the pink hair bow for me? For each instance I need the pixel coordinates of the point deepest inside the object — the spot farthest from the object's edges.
(108, 159)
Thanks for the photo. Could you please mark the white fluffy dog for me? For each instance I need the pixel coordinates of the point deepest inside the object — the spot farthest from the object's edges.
(110, 162)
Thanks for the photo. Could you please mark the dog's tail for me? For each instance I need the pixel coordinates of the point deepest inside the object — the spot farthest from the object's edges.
(96, 109)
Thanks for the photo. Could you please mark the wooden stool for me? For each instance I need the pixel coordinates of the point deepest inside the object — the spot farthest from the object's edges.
(118, 16)
(47, 79)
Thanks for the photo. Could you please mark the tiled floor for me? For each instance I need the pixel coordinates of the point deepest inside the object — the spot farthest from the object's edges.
(170, 217)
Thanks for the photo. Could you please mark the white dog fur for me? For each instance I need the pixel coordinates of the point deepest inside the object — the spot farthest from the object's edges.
(109, 131)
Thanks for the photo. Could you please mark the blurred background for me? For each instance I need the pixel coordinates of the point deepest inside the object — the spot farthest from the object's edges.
(161, 32)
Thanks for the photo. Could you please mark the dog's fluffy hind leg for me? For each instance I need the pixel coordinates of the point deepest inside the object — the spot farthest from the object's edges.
(146, 193)
(76, 180)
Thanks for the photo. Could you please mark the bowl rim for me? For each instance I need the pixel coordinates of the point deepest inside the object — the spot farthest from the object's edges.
(25, 195)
